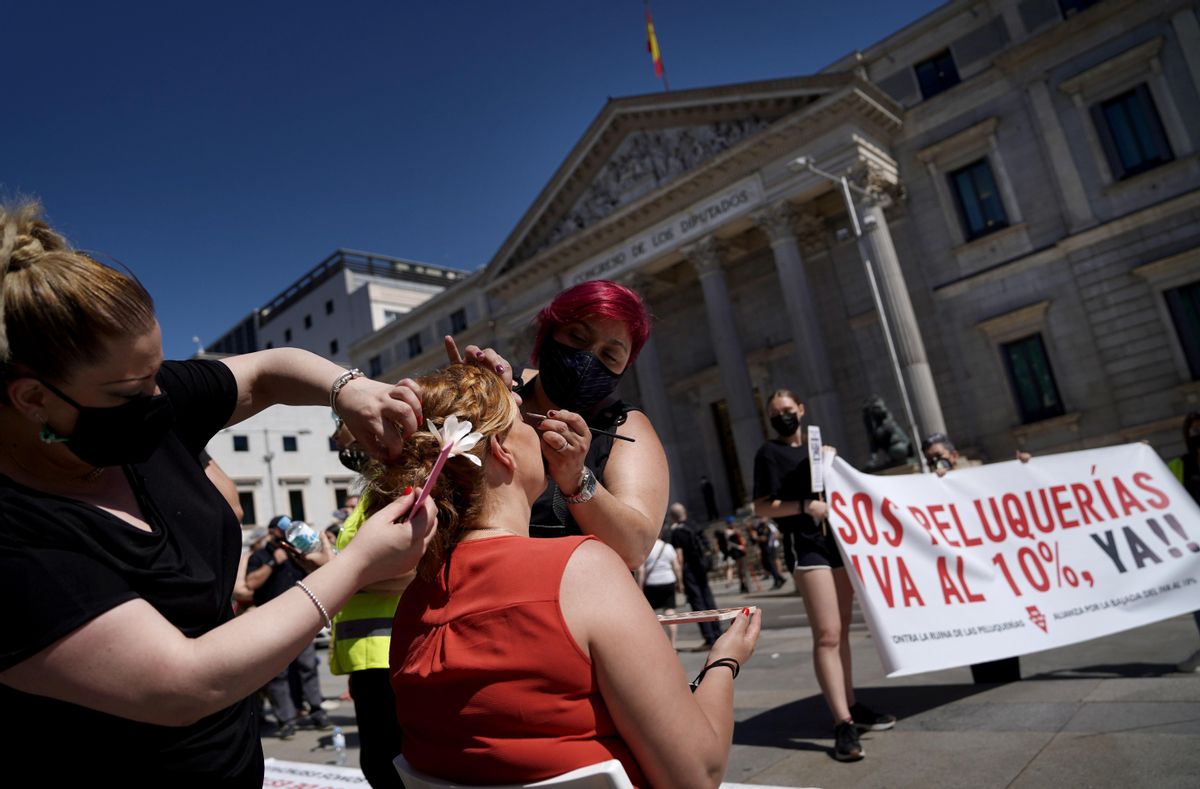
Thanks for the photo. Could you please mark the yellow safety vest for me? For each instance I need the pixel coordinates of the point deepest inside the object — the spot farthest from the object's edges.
(1176, 467)
(362, 630)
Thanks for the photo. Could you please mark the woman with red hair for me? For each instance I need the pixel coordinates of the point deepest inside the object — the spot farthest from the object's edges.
(587, 337)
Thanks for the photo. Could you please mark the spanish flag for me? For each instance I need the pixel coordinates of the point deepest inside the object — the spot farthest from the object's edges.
(652, 47)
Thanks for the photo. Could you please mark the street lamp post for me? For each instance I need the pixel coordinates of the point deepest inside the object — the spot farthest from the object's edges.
(805, 163)
(269, 456)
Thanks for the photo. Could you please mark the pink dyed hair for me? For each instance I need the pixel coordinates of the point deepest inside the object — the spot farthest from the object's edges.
(600, 297)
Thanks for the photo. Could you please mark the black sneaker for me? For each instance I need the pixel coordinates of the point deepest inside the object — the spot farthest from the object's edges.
(867, 719)
(286, 731)
(319, 720)
(846, 747)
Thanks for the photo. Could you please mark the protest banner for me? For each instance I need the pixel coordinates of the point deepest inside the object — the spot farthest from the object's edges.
(1001, 560)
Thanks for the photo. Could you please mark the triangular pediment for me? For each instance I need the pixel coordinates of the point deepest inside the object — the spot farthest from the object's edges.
(646, 160)
(639, 146)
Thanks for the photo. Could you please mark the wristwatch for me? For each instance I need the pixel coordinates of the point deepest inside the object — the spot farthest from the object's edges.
(587, 488)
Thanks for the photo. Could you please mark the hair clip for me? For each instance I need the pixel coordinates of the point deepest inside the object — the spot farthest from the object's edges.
(455, 438)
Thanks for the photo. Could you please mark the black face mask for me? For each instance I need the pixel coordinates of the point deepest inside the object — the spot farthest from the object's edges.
(354, 458)
(119, 435)
(574, 379)
(786, 424)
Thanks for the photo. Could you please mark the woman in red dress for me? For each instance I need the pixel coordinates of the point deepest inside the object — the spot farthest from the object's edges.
(518, 659)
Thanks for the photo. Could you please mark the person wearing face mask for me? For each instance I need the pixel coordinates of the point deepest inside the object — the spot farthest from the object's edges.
(942, 457)
(1186, 469)
(783, 493)
(117, 552)
(616, 490)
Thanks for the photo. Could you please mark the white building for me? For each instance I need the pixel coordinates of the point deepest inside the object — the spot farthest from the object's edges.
(283, 463)
(282, 459)
(342, 299)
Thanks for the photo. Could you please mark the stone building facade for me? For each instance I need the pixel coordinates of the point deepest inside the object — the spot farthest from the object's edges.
(1025, 177)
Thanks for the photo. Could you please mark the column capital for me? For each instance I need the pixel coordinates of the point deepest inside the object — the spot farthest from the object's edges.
(706, 255)
(811, 232)
(646, 285)
(776, 220)
(882, 184)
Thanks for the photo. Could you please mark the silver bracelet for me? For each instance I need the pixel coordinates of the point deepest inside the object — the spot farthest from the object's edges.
(317, 603)
(341, 381)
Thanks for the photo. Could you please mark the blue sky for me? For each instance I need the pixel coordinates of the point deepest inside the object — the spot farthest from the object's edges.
(221, 149)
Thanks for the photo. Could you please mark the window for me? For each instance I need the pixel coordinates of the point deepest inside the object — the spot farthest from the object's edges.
(333, 346)
(287, 335)
(246, 499)
(1071, 7)
(390, 315)
(241, 443)
(296, 503)
(1131, 133)
(333, 447)
(979, 205)
(308, 321)
(339, 497)
(329, 307)
(375, 366)
(1031, 378)
(937, 74)
(458, 321)
(289, 443)
(414, 346)
(1184, 305)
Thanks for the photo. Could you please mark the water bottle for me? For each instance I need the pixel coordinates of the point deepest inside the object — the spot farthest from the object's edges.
(303, 537)
(339, 746)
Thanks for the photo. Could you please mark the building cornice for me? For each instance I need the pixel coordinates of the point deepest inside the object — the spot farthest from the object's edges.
(1091, 27)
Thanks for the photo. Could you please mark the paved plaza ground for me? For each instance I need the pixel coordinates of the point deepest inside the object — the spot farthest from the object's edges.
(1108, 712)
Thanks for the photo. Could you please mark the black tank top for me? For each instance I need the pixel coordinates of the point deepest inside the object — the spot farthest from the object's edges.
(550, 516)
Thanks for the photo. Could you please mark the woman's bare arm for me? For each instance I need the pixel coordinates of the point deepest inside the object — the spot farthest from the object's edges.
(626, 512)
(680, 739)
(131, 662)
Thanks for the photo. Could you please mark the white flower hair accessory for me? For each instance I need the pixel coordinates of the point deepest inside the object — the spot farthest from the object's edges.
(455, 438)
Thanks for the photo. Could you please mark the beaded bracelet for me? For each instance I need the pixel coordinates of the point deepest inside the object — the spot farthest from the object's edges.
(725, 662)
(317, 603)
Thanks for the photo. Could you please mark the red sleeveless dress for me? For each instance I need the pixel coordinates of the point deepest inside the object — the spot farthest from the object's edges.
(490, 685)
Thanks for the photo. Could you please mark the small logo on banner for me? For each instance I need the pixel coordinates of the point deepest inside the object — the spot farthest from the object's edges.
(1037, 617)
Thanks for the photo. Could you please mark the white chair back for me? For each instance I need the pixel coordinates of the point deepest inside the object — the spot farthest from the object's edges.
(605, 775)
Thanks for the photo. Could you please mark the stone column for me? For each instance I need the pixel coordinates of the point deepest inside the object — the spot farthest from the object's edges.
(815, 385)
(876, 245)
(735, 378)
(657, 402)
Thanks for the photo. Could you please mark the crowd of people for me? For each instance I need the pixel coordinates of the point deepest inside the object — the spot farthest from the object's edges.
(140, 621)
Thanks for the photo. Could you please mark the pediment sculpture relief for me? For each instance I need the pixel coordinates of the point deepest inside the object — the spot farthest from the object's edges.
(646, 160)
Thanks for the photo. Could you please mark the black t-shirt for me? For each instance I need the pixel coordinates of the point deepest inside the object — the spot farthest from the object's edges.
(282, 578)
(781, 472)
(686, 538)
(64, 562)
